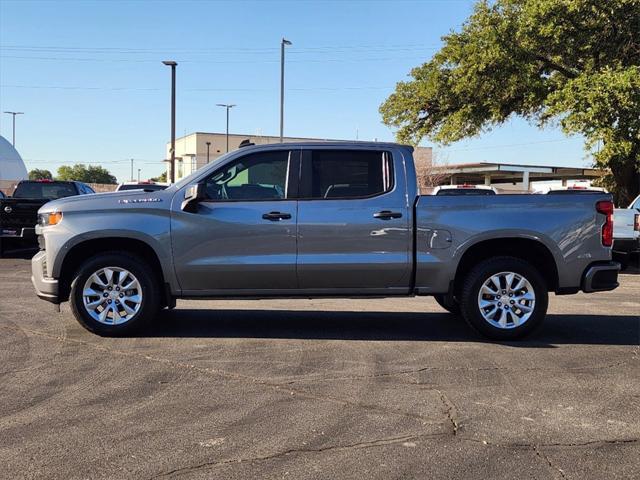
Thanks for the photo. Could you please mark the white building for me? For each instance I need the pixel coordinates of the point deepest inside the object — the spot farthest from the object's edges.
(11, 165)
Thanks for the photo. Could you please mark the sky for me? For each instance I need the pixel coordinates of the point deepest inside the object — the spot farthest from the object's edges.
(88, 77)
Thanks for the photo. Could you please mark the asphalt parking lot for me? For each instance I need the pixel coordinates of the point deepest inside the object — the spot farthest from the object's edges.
(319, 389)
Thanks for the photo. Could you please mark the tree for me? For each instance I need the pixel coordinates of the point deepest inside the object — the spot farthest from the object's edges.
(40, 174)
(575, 63)
(162, 178)
(87, 174)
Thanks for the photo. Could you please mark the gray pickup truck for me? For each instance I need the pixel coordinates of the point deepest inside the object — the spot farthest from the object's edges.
(320, 219)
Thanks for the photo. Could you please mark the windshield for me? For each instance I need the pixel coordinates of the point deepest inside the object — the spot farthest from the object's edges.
(48, 190)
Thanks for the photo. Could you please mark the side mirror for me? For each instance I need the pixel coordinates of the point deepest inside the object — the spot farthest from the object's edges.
(192, 195)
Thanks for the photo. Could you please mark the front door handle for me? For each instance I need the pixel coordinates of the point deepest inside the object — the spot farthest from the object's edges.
(387, 214)
(276, 216)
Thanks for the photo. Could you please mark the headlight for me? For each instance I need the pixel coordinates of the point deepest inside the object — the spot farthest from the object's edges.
(49, 219)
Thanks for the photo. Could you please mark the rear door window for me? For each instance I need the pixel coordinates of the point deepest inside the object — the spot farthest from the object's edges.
(334, 174)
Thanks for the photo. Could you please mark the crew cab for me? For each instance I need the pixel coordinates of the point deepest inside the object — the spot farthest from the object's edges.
(19, 213)
(339, 219)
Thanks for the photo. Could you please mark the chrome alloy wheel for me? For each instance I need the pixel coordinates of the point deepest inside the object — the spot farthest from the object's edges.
(112, 296)
(506, 300)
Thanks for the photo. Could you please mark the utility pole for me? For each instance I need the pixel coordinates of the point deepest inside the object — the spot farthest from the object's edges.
(283, 43)
(172, 64)
(14, 125)
(228, 107)
(208, 145)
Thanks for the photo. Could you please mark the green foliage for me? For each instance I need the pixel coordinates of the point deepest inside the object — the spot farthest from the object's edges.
(40, 174)
(574, 62)
(87, 174)
(162, 178)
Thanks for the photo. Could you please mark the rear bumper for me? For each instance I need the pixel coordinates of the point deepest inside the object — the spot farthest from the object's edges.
(626, 245)
(600, 277)
(46, 288)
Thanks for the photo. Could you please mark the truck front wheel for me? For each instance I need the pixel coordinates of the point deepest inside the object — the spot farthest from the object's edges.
(504, 298)
(114, 294)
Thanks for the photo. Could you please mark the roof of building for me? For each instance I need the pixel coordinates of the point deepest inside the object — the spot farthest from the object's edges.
(509, 172)
(11, 165)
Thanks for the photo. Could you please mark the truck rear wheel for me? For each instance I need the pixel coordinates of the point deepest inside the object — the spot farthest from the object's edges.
(114, 294)
(504, 298)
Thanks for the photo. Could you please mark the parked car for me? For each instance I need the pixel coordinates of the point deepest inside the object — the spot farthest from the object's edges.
(573, 189)
(314, 220)
(626, 232)
(19, 213)
(146, 186)
(464, 189)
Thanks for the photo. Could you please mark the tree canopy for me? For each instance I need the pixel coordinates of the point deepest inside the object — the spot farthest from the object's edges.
(84, 173)
(571, 62)
(40, 174)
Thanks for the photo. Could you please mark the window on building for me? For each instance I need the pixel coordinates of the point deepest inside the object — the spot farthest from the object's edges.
(349, 174)
(259, 176)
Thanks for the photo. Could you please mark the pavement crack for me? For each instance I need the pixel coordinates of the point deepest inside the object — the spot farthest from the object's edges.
(451, 411)
(548, 461)
(294, 451)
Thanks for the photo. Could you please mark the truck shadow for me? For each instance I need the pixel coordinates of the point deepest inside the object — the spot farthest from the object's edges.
(389, 326)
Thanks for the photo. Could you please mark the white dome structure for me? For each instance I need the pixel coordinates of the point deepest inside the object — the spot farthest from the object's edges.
(11, 164)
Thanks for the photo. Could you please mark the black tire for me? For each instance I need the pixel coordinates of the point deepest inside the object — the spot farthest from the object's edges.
(480, 274)
(151, 297)
(447, 302)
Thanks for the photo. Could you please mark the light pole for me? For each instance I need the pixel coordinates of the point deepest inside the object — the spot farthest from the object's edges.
(208, 145)
(139, 175)
(283, 43)
(228, 107)
(131, 169)
(14, 124)
(172, 64)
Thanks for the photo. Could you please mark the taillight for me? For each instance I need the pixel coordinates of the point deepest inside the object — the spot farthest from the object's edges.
(606, 208)
(636, 222)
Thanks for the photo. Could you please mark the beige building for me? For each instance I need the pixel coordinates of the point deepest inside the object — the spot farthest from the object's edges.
(196, 149)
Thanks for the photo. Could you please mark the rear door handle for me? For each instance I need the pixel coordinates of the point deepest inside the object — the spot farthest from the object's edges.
(387, 214)
(276, 216)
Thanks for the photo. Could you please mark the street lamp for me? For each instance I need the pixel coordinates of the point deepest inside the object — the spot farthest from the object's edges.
(139, 175)
(172, 64)
(208, 145)
(282, 45)
(14, 124)
(227, 106)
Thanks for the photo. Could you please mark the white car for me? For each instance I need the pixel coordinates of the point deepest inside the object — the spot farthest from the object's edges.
(626, 232)
(464, 189)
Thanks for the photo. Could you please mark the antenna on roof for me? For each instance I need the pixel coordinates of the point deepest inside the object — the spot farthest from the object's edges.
(245, 143)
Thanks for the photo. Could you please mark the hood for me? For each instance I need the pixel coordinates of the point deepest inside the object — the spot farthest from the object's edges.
(109, 200)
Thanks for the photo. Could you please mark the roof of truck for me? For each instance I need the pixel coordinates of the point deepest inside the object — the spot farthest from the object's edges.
(331, 143)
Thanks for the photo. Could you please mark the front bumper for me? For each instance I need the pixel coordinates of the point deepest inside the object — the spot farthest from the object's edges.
(46, 288)
(10, 232)
(600, 277)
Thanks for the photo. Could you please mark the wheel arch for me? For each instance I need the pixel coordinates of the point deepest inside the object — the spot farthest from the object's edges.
(90, 247)
(531, 250)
